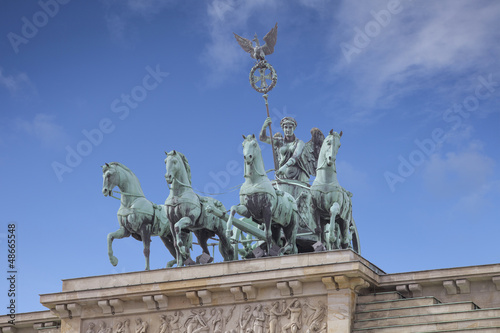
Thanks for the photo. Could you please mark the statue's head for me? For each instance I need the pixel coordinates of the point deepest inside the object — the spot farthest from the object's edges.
(288, 124)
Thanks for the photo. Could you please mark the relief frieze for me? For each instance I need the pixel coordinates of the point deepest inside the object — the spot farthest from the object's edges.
(297, 315)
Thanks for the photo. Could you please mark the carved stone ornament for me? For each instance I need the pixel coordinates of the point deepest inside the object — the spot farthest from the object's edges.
(295, 315)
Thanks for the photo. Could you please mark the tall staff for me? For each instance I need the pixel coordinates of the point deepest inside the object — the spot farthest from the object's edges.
(262, 72)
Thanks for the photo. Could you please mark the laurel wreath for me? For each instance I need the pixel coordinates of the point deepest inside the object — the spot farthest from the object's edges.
(253, 80)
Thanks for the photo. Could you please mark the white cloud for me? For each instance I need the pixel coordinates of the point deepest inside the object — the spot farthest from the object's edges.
(44, 128)
(422, 46)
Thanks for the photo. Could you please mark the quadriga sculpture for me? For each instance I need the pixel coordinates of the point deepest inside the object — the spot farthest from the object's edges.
(331, 202)
(138, 217)
(275, 209)
(188, 212)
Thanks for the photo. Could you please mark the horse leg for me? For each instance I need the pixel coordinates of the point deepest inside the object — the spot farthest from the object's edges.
(267, 217)
(177, 255)
(203, 236)
(229, 224)
(182, 239)
(146, 241)
(225, 247)
(346, 236)
(334, 211)
(118, 234)
(241, 210)
(319, 227)
(169, 244)
(338, 236)
(290, 232)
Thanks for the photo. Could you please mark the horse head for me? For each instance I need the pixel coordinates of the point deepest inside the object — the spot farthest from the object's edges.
(253, 157)
(177, 168)
(329, 149)
(111, 178)
(250, 148)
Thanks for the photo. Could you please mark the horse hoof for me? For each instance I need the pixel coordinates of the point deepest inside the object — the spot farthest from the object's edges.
(113, 260)
(171, 263)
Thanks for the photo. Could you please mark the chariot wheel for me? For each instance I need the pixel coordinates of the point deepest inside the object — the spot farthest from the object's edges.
(356, 246)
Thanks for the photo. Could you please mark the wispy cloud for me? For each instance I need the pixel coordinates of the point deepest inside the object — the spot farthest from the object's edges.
(459, 173)
(119, 14)
(224, 17)
(348, 174)
(421, 46)
(147, 7)
(116, 25)
(319, 5)
(18, 84)
(44, 128)
(472, 204)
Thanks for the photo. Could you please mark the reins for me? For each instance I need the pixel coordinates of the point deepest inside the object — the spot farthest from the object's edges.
(124, 193)
(231, 189)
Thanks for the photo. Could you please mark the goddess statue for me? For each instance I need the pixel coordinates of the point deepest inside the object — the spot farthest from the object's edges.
(296, 160)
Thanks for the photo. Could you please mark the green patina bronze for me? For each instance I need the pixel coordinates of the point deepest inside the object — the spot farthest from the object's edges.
(264, 204)
(188, 211)
(286, 213)
(137, 216)
(331, 202)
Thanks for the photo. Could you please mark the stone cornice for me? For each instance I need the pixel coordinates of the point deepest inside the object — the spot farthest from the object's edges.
(200, 281)
(437, 276)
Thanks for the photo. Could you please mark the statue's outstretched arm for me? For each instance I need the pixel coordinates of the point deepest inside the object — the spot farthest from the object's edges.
(263, 135)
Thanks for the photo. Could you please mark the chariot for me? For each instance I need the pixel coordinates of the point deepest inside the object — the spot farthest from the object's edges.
(279, 217)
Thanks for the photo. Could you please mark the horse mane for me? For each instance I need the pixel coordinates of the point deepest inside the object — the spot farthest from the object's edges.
(121, 165)
(186, 166)
(125, 168)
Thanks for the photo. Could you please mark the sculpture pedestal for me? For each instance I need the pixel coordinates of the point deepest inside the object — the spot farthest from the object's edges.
(305, 293)
(313, 292)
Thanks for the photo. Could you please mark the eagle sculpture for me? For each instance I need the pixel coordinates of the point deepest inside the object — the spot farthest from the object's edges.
(259, 52)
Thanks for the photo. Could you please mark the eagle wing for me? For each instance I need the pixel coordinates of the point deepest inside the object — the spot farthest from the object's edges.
(270, 39)
(311, 151)
(245, 44)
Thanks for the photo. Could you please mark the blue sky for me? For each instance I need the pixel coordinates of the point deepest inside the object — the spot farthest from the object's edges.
(413, 85)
